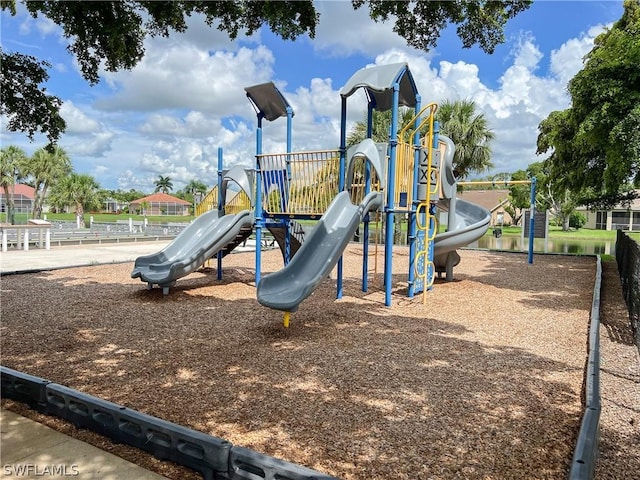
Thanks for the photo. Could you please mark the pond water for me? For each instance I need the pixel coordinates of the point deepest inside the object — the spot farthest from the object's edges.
(540, 245)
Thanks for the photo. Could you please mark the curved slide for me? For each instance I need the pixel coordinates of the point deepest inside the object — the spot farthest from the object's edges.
(287, 288)
(471, 223)
(203, 238)
(467, 222)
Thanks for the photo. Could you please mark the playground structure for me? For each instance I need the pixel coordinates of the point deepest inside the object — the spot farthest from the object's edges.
(212, 234)
(410, 175)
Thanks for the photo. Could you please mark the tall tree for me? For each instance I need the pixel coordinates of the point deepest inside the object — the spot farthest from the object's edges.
(111, 34)
(12, 159)
(420, 23)
(192, 189)
(459, 120)
(595, 144)
(163, 184)
(381, 126)
(78, 190)
(25, 102)
(46, 167)
(469, 130)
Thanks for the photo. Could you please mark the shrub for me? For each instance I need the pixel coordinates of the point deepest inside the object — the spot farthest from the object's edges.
(577, 220)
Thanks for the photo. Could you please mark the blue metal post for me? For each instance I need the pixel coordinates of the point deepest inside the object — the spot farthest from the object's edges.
(285, 200)
(365, 233)
(343, 154)
(258, 207)
(414, 204)
(390, 208)
(531, 218)
(221, 200)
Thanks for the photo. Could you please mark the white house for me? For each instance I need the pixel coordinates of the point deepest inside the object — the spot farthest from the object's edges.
(621, 217)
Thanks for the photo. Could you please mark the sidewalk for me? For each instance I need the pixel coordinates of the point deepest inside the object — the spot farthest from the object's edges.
(32, 450)
(36, 259)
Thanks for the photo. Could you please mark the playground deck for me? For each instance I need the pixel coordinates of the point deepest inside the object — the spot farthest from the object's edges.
(484, 381)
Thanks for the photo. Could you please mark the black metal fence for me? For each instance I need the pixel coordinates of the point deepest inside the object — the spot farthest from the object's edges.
(628, 259)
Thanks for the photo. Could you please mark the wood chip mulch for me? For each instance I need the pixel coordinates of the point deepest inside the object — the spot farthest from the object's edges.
(484, 380)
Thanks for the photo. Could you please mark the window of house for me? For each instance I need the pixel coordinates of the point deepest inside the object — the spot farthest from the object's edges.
(601, 220)
(620, 220)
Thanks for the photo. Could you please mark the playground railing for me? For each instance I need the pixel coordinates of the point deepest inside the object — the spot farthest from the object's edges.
(299, 183)
(403, 198)
(209, 202)
(239, 202)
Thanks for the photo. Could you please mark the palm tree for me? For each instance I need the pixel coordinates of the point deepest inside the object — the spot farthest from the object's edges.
(381, 126)
(195, 187)
(163, 184)
(458, 120)
(80, 190)
(470, 132)
(12, 160)
(47, 167)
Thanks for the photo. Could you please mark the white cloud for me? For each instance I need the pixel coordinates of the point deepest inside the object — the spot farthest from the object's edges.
(567, 60)
(77, 121)
(188, 78)
(343, 31)
(170, 114)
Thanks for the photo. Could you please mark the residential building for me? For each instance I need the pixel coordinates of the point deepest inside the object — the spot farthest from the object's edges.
(160, 204)
(621, 217)
(23, 199)
(492, 200)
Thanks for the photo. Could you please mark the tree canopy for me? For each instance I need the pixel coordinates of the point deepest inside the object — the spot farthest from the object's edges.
(78, 190)
(12, 160)
(163, 184)
(596, 142)
(111, 35)
(26, 103)
(458, 119)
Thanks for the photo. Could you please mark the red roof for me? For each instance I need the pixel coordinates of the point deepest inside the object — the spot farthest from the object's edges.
(20, 189)
(489, 199)
(161, 198)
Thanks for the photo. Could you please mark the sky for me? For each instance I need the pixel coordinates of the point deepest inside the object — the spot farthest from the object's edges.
(170, 114)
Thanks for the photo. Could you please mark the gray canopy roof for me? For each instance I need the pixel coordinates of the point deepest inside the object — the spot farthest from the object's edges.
(268, 100)
(379, 80)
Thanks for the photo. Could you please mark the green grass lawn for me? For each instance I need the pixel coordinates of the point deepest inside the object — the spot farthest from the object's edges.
(554, 232)
(21, 218)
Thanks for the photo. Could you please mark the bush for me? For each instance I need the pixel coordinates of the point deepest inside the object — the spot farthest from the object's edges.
(577, 220)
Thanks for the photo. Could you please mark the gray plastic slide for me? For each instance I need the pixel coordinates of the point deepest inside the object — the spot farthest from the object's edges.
(467, 222)
(207, 235)
(472, 222)
(287, 288)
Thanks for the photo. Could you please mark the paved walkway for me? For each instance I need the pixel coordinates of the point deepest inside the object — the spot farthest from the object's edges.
(30, 450)
(36, 259)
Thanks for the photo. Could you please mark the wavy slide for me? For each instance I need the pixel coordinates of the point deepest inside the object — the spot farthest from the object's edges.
(287, 288)
(203, 238)
(472, 222)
